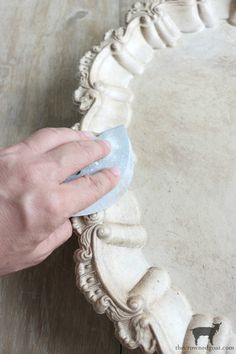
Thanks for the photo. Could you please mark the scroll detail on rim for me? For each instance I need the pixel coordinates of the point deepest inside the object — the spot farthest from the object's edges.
(146, 310)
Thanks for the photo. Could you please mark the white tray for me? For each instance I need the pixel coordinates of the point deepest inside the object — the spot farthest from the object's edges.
(183, 130)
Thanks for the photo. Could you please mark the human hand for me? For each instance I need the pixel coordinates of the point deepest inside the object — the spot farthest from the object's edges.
(35, 204)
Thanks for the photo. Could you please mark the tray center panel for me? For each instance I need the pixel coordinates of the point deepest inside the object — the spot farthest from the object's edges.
(184, 134)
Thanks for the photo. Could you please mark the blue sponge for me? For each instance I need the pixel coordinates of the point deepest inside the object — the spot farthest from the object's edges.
(121, 156)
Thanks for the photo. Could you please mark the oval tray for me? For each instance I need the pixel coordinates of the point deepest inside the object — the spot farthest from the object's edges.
(183, 134)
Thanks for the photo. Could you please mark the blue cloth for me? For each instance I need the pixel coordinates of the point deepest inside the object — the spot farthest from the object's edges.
(121, 156)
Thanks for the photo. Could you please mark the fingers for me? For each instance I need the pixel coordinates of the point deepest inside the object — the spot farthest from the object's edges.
(85, 191)
(48, 138)
(72, 157)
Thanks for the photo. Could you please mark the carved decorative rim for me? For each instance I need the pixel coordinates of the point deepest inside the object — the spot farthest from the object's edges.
(147, 312)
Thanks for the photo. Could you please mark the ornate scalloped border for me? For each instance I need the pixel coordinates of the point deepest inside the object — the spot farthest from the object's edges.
(135, 325)
(128, 319)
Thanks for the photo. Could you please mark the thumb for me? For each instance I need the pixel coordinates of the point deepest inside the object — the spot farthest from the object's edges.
(56, 239)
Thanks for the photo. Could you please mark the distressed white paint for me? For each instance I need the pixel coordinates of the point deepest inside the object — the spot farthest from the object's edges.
(146, 309)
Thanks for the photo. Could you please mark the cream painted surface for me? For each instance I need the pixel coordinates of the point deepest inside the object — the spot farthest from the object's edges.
(185, 181)
(152, 314)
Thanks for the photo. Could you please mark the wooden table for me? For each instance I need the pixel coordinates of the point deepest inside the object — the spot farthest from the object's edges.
(41, 310)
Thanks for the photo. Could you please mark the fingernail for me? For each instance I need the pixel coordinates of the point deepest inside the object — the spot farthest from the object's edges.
(115, 171)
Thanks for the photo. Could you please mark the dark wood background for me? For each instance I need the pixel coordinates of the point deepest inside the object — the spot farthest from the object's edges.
(41, 311)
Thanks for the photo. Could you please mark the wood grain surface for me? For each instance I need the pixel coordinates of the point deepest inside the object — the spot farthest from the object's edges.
(127, 351)
(41, 311)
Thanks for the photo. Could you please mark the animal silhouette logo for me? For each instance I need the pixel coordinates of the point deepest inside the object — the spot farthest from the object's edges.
(206, 331)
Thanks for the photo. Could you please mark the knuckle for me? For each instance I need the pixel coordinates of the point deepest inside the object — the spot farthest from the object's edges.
(28, 146)
(93, 150)
(39, 214)
(27, 216)
(93, 186)
(31, 173)
(109, 179)
(95, 183)
(89, 155)
(100, 183)
(53, 205)
(48, 167)
(48, 133)
(84, 149)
